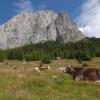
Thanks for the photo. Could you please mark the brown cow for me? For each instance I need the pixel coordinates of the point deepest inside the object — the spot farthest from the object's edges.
(92, 74)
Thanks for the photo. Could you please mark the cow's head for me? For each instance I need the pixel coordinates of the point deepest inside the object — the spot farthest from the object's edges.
(69, 69)
(36, 69)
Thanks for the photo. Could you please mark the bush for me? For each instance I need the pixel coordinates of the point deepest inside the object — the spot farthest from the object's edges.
(82, 56)
(79, 60)
(98, 53)
(46, 61)
(28, 57)
(84, 65)
(86, 58)
(2, 56)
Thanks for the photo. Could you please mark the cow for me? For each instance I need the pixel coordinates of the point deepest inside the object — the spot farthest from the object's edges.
(79, 73)
(41, 69)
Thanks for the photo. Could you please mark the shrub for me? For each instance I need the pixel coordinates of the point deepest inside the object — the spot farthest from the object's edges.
(82, 56)
(2, 56)
(86, 58)
(28, 57)
(84, 65)
(98, 53)
(46, 61)
(79, 60)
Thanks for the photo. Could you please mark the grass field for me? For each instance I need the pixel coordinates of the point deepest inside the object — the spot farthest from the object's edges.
(24, 84)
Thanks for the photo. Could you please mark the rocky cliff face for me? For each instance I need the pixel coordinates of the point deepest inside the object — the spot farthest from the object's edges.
(41, 26)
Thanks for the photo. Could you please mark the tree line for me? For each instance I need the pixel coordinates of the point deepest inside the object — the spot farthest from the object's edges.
(82, 50)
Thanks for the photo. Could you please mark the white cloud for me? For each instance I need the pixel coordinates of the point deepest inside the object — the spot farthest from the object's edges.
(26, 6)
(23, 6)
(89, 19)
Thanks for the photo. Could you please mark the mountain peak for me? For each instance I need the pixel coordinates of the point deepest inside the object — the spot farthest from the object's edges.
(39, 26)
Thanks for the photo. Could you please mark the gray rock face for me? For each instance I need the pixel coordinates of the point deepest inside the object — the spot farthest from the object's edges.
(41, 26)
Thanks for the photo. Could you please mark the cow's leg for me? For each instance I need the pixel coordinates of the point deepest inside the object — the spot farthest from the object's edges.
(78, 78)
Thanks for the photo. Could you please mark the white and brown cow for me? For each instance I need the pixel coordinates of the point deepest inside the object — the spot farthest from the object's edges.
(92, 74)
(41, 69)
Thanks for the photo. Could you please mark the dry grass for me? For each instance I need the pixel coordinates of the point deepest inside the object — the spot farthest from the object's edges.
(19, 82)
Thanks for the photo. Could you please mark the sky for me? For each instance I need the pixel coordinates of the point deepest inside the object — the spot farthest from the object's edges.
(86, 13)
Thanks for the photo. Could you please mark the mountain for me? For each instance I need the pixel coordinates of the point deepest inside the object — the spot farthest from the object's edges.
(39, 26)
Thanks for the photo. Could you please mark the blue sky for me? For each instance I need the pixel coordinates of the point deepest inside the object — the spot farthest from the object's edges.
(9, 8)
(86, 13)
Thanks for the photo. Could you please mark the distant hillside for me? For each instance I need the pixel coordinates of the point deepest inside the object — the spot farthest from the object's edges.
(81, 50)
(36, 27)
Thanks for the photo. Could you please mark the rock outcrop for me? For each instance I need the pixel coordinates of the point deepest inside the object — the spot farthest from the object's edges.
(40, 26)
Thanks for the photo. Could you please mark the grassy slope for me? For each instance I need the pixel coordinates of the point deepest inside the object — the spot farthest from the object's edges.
(24, 84)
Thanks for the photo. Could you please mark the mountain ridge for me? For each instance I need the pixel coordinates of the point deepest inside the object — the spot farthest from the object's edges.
(40, 26)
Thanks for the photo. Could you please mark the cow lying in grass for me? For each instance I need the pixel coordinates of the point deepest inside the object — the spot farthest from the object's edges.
(91, 74)
(41, 69)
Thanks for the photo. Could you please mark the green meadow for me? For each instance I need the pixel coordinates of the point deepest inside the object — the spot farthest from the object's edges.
(23, 83)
